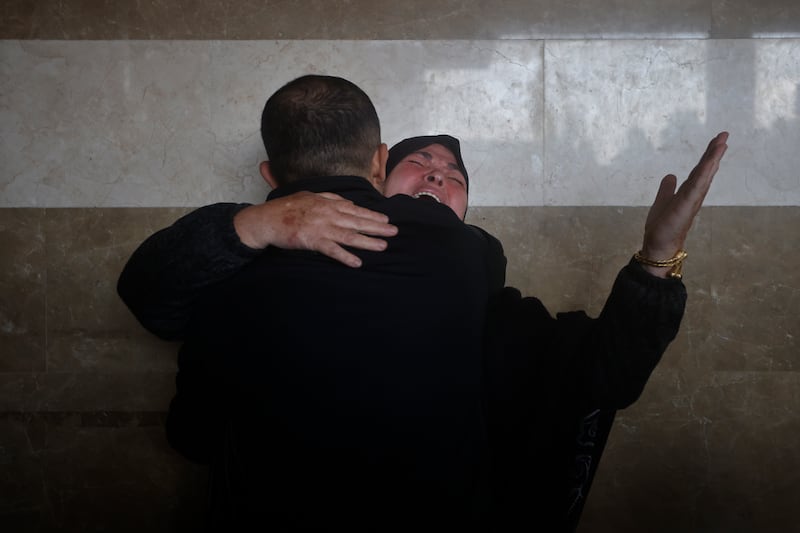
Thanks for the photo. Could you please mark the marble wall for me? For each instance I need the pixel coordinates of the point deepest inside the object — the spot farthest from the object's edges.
(542, 122)
(117, 117)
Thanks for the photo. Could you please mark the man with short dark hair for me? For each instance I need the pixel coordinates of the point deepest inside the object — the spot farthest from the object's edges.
(345, 406)
(321, 126)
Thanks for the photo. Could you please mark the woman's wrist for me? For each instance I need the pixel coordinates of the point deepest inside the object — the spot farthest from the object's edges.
(662, 268)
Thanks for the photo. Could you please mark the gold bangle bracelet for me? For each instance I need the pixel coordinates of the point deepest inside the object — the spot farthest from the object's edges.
(676, 262)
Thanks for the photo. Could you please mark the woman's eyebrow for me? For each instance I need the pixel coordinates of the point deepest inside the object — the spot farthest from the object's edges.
(429, 157)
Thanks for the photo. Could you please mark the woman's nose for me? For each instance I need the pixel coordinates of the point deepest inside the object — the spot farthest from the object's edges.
(434, 178)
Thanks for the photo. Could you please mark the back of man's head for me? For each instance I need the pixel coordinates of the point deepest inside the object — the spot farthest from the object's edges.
(319, 126)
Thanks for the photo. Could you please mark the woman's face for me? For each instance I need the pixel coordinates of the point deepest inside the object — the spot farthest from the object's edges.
(431, 172)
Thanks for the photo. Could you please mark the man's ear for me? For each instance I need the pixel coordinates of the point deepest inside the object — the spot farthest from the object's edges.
(377, 173)
(266, 173)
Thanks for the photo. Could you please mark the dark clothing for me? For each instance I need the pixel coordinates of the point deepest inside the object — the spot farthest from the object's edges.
(168, 273)
(356, 401)
(550, 386)
(556, 383)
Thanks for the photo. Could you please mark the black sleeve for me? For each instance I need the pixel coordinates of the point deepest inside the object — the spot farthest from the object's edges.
(167, 273)
(496, 261)
(603, 362)
(640, 319)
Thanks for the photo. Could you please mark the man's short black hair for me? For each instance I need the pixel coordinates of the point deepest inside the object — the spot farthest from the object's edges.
(319, 126)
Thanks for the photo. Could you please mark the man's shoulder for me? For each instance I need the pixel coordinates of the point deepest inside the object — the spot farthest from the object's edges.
(403, 209)
(353, 188)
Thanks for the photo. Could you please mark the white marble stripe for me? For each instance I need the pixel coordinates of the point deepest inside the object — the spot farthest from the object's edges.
(620, 114)
(175, 123)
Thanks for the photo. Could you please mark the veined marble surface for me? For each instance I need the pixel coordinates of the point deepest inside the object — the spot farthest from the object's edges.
(555, 123)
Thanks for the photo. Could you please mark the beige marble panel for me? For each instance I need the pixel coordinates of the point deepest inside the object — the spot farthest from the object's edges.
(358, 19)
(755, 290)
(22, 290)
(710, 445)
(413, 19)
(622, 114)
(567, 257)
(714, 457)
(161, 123)
(744, 18)
(89, 327)
(86, 391)
(60, 473)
